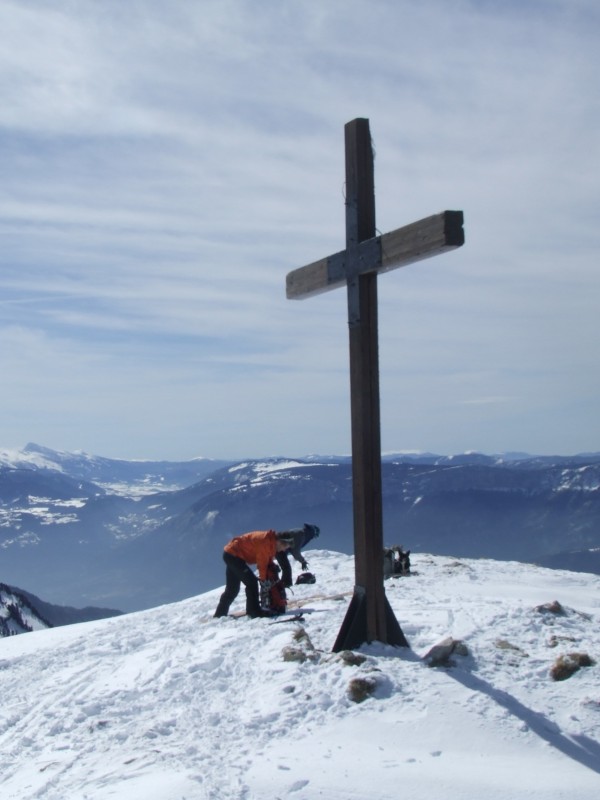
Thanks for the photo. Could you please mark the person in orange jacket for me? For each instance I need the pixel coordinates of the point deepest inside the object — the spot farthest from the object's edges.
(256, 547)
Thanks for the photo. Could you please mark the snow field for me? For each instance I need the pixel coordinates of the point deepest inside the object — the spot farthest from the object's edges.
(170, 703)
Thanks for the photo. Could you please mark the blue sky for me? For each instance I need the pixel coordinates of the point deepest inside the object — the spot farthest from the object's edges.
(164, 165)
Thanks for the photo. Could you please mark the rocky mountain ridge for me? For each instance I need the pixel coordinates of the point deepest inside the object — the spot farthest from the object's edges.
(77, 542)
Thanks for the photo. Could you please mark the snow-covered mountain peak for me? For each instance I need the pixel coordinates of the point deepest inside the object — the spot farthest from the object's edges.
(170, 703)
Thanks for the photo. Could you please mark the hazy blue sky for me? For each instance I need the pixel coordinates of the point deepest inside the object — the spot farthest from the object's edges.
(165, 164)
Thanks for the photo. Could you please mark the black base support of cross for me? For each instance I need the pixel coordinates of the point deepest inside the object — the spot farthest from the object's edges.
(354, 631)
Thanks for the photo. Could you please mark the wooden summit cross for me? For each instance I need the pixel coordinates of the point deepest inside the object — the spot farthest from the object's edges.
(369, 616)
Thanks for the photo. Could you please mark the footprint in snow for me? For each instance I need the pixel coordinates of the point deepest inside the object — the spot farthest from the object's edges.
(297, 785)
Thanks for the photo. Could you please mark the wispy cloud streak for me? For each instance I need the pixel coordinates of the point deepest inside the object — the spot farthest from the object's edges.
(165, 165)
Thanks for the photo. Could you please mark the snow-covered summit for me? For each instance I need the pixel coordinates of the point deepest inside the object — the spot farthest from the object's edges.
(170, 703)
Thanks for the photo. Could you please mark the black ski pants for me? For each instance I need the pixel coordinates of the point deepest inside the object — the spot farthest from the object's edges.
(236, 573)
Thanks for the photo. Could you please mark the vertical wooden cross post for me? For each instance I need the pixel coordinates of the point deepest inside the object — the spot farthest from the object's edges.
(369, 616)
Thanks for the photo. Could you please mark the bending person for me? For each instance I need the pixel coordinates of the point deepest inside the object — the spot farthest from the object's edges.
(257, 547)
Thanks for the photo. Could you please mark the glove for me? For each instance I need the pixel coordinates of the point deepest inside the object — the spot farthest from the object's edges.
(304, 565)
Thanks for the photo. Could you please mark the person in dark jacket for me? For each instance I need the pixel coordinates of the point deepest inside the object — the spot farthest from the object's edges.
(301, 537)
(256, 547)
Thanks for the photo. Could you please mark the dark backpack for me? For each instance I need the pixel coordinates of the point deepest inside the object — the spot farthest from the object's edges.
(396, 561)
(306, 577)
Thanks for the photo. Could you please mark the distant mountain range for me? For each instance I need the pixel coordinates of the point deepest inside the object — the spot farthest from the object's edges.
(130, 477)
(89, 531)
(18, 614)
(23, 612)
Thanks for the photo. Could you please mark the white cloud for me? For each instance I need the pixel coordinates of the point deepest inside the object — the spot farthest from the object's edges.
(165, 166)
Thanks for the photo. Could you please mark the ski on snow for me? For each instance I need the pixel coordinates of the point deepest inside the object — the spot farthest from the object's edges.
(288, 618)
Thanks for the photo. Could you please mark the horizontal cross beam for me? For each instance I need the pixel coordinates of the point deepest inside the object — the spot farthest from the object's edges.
(414, 242)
